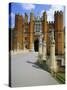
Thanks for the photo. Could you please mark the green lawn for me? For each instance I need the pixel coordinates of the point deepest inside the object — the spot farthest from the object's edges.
(61, 77)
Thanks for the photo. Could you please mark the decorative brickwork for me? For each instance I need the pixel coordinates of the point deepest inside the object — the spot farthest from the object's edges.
(59, 32)
(24, 33)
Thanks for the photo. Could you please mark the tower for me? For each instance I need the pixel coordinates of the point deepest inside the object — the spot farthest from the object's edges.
(31, 28)
(59, 33)
(18, 33)
(26, 31)
(45, 26)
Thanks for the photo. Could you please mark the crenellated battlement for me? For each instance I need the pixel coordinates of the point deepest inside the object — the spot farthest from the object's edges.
(58, 12)
(51, 22)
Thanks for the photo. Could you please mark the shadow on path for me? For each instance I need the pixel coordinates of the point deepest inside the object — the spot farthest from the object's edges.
(37, 65)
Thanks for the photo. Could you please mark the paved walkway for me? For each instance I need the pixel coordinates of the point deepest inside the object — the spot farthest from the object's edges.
(25, 73)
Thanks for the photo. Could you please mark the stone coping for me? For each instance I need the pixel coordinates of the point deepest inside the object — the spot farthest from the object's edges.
(15, 52)
(18, 52)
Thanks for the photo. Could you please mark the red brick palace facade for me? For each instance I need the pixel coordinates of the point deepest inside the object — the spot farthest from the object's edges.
(24, 33)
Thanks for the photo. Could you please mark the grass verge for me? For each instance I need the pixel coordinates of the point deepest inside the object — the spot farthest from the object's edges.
(61, 77)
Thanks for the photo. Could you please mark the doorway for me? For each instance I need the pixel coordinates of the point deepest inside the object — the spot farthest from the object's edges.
(36, 45)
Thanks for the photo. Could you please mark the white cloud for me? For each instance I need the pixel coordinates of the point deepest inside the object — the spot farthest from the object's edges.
(28, 6)
(50, 15)
(50, 12)
(12, 16)
(41, 14)
(55, 8)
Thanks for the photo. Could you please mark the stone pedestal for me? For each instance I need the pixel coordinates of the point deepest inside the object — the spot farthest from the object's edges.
(24, 47)
(32, 49)
(18, 46)
(40, 50)
(44, 51)
(53, 62)
(40, 46)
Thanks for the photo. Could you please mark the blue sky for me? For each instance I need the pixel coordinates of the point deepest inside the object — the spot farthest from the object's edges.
(38, 9)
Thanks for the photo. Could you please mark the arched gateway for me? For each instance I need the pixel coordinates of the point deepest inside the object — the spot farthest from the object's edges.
(36, 45)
